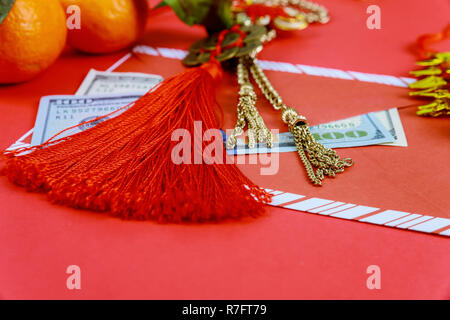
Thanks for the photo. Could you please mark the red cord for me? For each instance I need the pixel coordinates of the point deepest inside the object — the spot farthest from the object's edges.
(424, 42)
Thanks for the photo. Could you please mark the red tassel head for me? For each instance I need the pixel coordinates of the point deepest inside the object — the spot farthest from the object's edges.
(214, 69)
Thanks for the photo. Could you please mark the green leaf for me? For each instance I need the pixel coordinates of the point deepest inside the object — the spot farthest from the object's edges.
(190, 11)
(5, 6)
(214, 15)
(224, 12)
(159, 5)
(219, 16)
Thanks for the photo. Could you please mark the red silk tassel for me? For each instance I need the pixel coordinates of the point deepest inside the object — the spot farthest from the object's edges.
(123, 166)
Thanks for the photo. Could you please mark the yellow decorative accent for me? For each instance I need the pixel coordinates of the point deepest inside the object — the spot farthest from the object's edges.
(428, 82)
(433, 84)
(432, 71)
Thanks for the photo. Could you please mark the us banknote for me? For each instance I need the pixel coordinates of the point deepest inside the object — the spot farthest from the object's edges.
(103, 83)
(391, 121)
(363, 130)
(96, 83)
(57, 113)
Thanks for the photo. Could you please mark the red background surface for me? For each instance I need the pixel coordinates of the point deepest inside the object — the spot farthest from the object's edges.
(286, 254)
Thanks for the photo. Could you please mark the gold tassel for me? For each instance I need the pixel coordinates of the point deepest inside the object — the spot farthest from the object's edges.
(247, 114)
(312, 153)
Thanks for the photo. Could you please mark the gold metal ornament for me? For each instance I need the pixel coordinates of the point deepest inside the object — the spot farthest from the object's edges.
(290, 23)
(302, 11)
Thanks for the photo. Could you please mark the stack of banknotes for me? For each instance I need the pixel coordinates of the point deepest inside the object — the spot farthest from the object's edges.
(104, 92)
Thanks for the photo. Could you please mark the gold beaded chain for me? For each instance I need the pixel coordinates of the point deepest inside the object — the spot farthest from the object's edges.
(317, 13)
(297, 17)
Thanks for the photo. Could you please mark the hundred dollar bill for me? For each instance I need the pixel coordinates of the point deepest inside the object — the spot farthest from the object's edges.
(391, 121)
(357, 131)
(57, 113)
(103, 83)
(98, 83)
